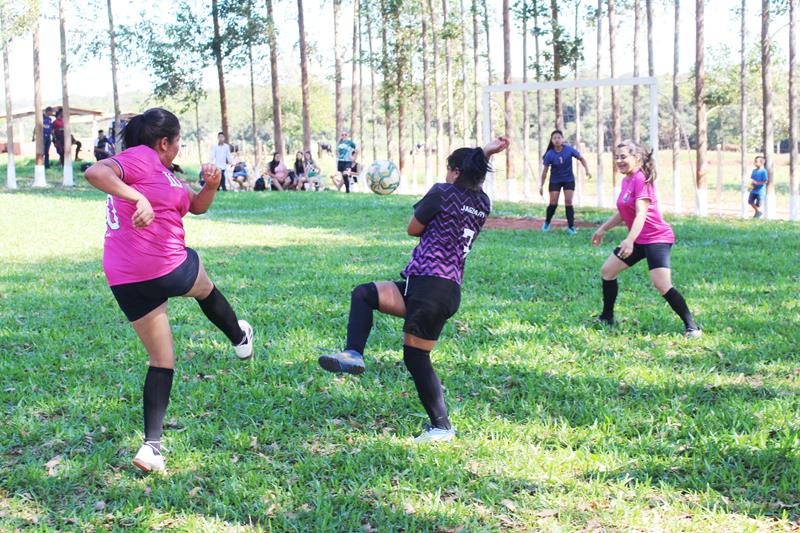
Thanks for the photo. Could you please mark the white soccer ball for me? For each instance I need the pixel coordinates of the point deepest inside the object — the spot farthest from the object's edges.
(383, 177)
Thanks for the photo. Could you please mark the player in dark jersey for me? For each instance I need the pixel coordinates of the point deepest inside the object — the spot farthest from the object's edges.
(447, 221)
(558, 160)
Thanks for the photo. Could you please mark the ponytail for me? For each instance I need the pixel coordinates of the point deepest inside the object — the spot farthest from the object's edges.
(150, 127)
(472, 166)
(648, 163)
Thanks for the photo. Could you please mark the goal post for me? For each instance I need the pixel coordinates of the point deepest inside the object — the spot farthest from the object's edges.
(650, 82)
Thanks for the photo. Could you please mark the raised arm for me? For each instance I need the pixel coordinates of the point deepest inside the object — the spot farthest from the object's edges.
(200, 202)
(106, 176)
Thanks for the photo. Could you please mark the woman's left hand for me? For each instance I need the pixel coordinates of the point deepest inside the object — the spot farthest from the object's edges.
(212, 176)
(625, 249)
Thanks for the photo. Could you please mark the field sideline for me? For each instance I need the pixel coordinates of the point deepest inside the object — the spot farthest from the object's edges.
(561, 426)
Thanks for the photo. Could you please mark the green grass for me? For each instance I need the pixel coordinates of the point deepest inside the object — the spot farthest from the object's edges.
(561, 426)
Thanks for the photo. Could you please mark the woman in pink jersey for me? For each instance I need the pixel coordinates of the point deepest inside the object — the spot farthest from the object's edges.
(649, 236)
(147, 262)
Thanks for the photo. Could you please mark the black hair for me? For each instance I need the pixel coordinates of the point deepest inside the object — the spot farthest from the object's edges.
(550, 144)
(472, 166)
(220, 133)
(176, 168)
(150, 127)
(100, 131)
(274, 163)
(648, 163)
(48, 109)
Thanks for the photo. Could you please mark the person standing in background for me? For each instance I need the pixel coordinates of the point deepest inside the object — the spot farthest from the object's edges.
(221, 157)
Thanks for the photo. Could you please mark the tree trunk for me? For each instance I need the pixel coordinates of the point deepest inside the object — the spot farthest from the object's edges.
(112, 40)
(616, 127)
(337, 72)
(436, 102)
(448, 76)
(580, 184)
(360, 87)
(400, 72)
(793, 188)
(700, 110)
(539, 143)
(743, 168)
(373, 113)
(769, 127)
(526, 120)
(354, 85)
(637, 31)
(426, 100)
(464, 86)
(387, 108)
(490, 74)
(476, 95)
(67, 178)
(197, 123)
(39, 174)
(651, 71)
(677, 206)
(304, 78)
(600, 134)
(559, 123)
(277, 117)
(11, 169)
(508, 103)
(254, 128)
(217, 49)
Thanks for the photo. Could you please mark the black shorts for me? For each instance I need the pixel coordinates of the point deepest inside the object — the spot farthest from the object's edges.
(657, 255)
(341, 166)
(566, 185)
(138, 299)
(430, 302)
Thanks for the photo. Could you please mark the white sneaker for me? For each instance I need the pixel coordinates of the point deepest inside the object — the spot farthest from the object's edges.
(432, 434)
(149, 459)
(245, 349)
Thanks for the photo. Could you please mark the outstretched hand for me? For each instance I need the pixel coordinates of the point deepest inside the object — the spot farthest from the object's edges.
(211, 175)
(496, 146)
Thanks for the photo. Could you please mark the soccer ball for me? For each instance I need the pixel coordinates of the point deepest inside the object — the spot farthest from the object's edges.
(383, 177)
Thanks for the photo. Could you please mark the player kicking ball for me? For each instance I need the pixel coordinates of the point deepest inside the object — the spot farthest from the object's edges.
(447, 220)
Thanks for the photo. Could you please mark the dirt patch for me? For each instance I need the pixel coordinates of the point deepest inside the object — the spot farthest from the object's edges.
(531, 223)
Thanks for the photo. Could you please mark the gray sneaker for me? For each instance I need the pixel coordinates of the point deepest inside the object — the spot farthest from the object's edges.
(349, 361)
(432, 434)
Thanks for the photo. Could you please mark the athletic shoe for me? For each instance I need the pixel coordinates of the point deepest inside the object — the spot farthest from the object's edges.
(245, 348)
(604, 321)
(572, 231)
(149, 459)
(759, 214)
(432, 434)
(349, 361)
(693, 333)
(546, 226)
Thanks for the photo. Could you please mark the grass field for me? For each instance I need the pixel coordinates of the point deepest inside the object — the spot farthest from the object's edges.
(561, 426)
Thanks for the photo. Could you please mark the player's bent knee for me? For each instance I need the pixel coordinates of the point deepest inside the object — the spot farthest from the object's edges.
(366, 292)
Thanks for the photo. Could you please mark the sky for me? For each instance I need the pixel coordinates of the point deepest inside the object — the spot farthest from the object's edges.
(94, 78)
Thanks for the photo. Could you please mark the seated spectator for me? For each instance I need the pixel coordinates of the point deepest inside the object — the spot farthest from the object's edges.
(278, 173)
(102, 146)
(240, 175)
(348, 176)
(300, 171)
(312, 172)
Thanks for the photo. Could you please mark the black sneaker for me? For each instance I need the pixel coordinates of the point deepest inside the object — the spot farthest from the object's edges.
(349, 361)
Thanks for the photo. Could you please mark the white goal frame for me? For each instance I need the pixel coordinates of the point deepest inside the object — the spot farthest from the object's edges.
(571, 84)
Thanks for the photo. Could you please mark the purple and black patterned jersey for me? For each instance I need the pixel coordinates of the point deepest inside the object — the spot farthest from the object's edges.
(453, 218)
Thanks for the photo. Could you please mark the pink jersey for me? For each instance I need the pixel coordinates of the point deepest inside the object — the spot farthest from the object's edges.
(655, 230)
(140, 254)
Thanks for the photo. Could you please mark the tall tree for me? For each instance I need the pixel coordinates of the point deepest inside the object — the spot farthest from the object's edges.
(766, 98)
(38, 169)
(616, 127)
(651, 70)
(537, 32)
(743, 169)
(794, 194)
(557, 50)
(676, 134)
(216, 46)
(476, 94)
(578, 105)
(67, 179)
(447, 35)
(360, 84)
(426, 101)
(387, 84)
(700, 109)
(464, 86)
(508, 103)
(373, 113)
(489, 72)
(401, 71)
(599, 130)
(304, 78)
(436, 101)
(526, 119)
(354, 84)
(637, 32)
(337, 67)
(112, 41)
(277, 118)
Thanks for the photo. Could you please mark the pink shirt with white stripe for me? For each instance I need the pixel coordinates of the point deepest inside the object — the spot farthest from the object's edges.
(134, 254)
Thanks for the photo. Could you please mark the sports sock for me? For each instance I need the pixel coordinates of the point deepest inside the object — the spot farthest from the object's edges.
(363, 300)
(346, 183)
(418, 363)
(220, 313)
(551, 210)
(570, 216)
(678, 304)
(610, 289)
(157, 386)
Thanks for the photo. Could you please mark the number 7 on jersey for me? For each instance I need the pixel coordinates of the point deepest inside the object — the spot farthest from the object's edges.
(469, 235)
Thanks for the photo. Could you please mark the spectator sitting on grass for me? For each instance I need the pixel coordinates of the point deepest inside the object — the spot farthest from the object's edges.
(278, 173)
(240, 175)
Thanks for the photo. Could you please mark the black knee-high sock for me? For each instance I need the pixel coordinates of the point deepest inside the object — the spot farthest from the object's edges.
(363, 300)
(346, 180)
(610, 289)
(678, 304)
(570, 216)
(220, 313)
(418, 363)
(551, 210)
(157, 386)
